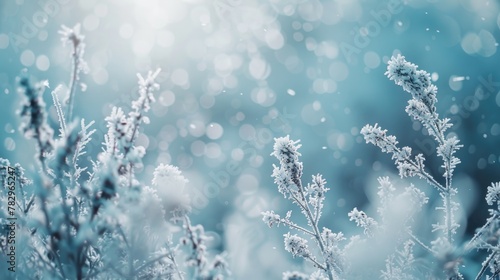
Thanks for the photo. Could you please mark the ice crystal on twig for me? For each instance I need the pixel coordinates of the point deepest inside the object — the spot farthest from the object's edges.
(75, 38)
(288, 177)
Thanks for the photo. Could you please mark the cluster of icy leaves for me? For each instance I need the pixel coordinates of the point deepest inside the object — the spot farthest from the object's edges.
(423, 109)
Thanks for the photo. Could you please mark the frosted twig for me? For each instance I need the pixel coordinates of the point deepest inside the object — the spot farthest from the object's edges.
(288, 178)
(419, 242)
(73, 36)
(60, 114)
(485, 265)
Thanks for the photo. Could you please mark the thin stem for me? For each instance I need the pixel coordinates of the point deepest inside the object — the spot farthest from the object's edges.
(320, 266)
(130, 175)
(446, 190)
(447, 164)
(495, 275)
(469, 245)
(30, 203)
(448, 216)
(72, 84)
(317, 213)
(314, 225)
(485, 265)
(419, 242)
(60, 114)
(135, 128)
(41, 156)
(422, 173)
(172, 258)
(80, 260)
(297, 227)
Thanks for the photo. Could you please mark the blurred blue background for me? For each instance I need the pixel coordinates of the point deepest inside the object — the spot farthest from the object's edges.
(237, 73)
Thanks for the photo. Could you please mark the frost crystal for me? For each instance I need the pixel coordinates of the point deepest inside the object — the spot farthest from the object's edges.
(71, 35)
(168, 173)
(285, 150)
(378, 137)
(296, 245)
(362, 220)
(416, 82)
(270, 218)
(493, 193)
(75, 38)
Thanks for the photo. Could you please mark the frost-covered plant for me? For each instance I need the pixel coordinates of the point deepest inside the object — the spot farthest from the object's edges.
(330, 255)
(310, 198)
(394, 230)
(445, 249)
(102, 222)
(76, 39)
(195, 239)
(421, 107)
